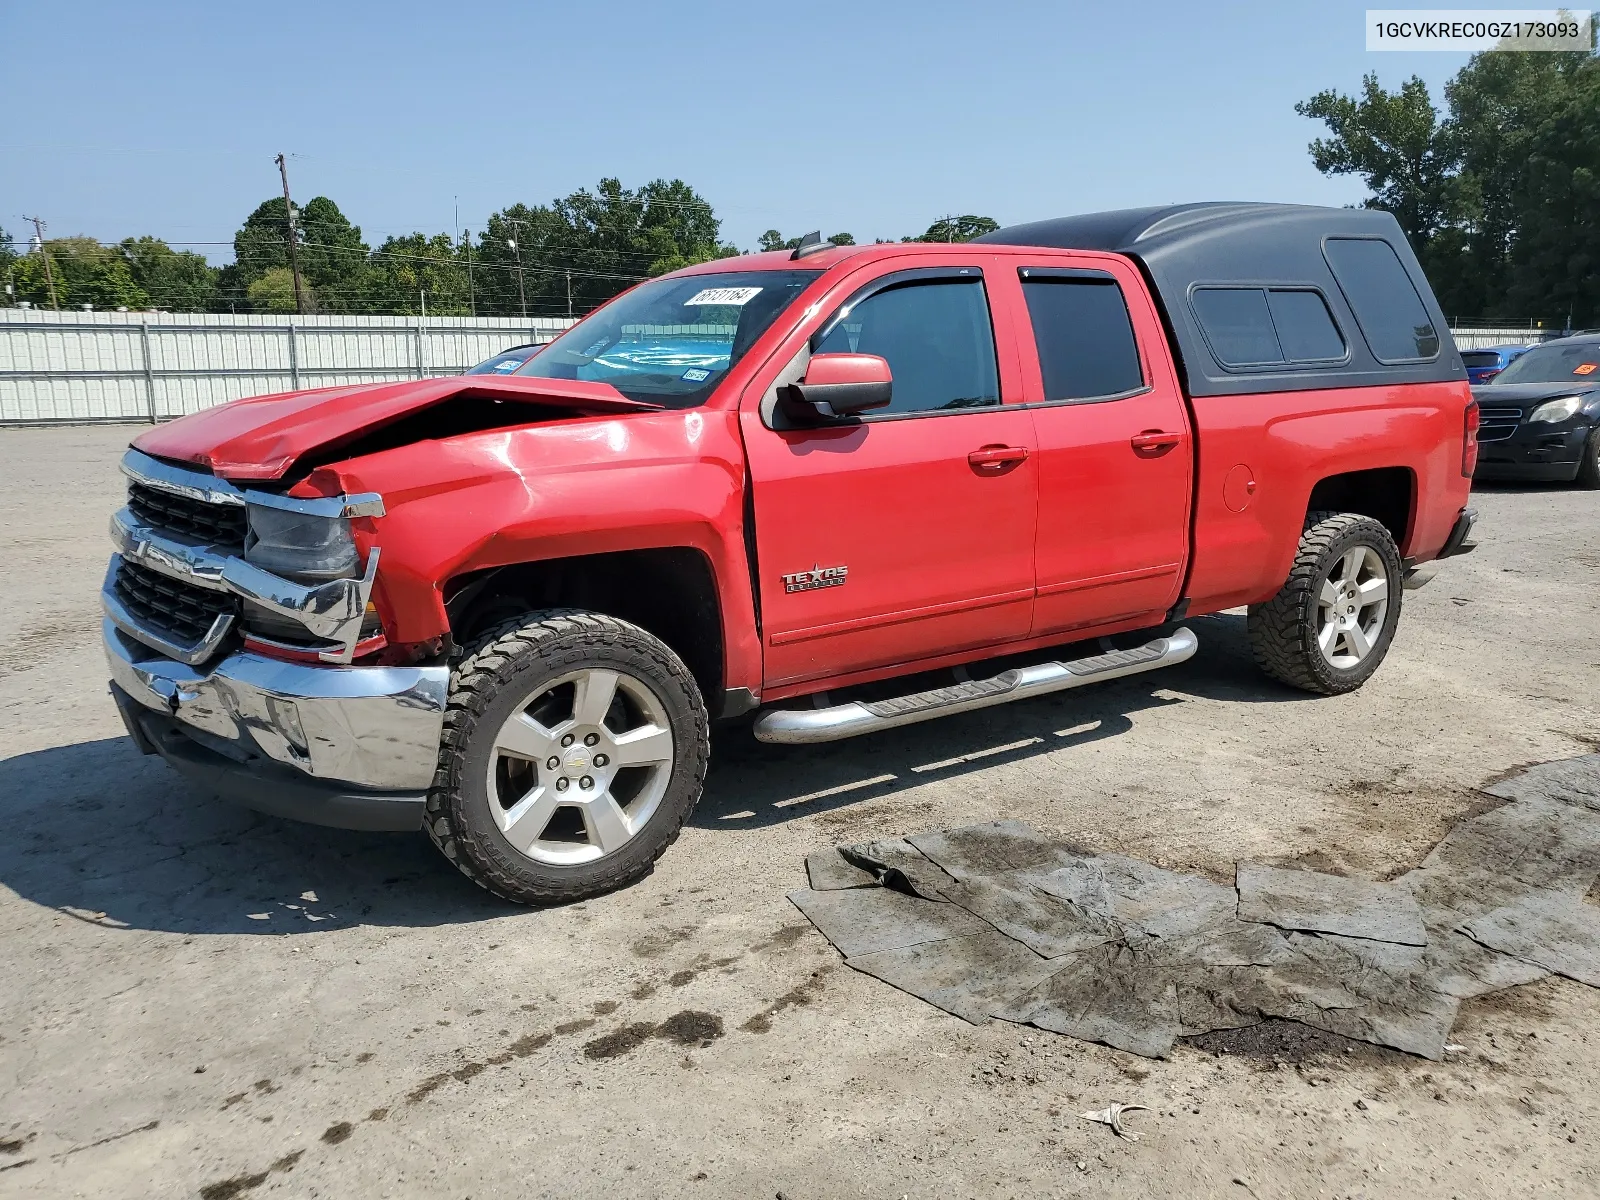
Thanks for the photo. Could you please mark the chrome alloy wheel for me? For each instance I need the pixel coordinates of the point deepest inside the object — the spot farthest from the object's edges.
(1351, 605)
(580, 767)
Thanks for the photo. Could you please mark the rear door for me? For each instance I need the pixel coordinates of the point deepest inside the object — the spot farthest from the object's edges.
(1116, 457)
(910, 532)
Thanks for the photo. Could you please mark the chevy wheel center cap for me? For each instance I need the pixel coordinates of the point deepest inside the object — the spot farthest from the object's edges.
(576, 757)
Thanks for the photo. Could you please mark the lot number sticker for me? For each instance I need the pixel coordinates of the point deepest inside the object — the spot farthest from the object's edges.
(723, 296)
(1584, 368)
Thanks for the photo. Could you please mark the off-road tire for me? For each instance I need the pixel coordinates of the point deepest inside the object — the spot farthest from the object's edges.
(1588, 475)
(1283, 631)
(502, 667)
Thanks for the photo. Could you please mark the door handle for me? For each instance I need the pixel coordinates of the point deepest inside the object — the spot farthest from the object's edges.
(994, 459)
(1155, 439)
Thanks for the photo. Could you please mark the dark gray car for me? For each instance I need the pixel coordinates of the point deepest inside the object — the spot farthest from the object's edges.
(1540, 418)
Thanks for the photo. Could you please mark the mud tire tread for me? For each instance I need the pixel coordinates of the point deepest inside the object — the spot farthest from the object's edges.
(1283, 633)
(562, 639)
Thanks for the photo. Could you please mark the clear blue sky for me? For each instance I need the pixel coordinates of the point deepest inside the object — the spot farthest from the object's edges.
(875, 116)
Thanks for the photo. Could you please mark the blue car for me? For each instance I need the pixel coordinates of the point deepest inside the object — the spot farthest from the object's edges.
(507, 361)
(1485, 363)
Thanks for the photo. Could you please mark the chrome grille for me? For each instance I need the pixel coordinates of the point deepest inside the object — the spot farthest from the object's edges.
(178, 611)
(220, 525)
(1496, 423)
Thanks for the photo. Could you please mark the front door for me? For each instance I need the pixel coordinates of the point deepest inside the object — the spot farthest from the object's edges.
(908, 533)
(1116, 458)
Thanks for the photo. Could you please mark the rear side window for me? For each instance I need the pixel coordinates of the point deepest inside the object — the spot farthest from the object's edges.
(1084, 335)
(1380, 293)
(936, 338)
(1258, 327)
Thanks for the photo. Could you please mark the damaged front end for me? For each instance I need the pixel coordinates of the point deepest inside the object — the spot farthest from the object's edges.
(238, 674)
(259, 636)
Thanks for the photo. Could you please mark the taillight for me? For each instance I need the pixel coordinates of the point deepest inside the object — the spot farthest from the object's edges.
(1488, 375)
(1469, 440)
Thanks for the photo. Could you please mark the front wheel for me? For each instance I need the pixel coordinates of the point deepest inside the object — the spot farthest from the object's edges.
(1331, 624)
(575, 746)
(1589, 468)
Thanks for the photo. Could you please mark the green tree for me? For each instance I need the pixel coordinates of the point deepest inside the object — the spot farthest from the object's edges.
(333, 258)
(1396, 142)
(179, 281)
(261, 243)
(405, 267)
(1555, 260)
(773, 240)
(1512, 120)
(1499, 197)
(595, 242)
(85, 272)
(8, 259)
(273, 292)
(957, 229)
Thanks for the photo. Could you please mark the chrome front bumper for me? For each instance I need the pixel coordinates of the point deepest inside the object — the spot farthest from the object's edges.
(375, 728)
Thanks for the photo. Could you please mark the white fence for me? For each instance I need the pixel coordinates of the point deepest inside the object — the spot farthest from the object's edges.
(1475, 338)
(109, 366)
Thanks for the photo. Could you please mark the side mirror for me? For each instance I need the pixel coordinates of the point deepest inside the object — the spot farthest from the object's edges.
(837, 385)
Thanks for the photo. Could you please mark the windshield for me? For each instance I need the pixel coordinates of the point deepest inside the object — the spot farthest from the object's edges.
(505, 362)
(670, 341)
(1563, 363)
(1481, 358)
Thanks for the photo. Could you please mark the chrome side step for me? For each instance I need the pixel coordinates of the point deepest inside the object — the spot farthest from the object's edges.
(799, 726)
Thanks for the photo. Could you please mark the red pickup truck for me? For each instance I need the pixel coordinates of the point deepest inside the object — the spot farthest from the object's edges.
(507, 609)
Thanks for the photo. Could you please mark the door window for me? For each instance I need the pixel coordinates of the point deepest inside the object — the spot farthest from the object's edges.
(1084, 335)
(936, 337)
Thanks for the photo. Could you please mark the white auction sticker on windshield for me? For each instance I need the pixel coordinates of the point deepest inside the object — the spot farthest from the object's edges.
(722, 296)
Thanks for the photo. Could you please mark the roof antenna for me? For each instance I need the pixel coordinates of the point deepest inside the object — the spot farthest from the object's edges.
(812, 243)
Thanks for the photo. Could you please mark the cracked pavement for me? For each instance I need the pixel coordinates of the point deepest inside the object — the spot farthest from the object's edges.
(201, 1002)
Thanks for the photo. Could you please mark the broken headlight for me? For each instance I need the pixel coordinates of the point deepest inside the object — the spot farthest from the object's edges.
(300, 546)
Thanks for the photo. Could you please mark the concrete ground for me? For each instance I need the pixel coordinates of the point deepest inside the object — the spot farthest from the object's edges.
(195, 1001)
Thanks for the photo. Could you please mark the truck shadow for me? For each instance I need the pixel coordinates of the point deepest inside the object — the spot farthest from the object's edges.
(100, 834)
(752, 785)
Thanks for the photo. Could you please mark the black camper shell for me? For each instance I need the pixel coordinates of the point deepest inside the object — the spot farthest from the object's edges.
(1274, 297)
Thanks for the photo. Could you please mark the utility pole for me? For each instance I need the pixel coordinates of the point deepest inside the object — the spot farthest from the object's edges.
(569, 295)
(294, 247)
(49, 276)
(521, 291)
(466, 237)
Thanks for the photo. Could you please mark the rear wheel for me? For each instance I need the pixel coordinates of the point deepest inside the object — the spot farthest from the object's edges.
(1330, 626)
(1589, 469)
(575, 747)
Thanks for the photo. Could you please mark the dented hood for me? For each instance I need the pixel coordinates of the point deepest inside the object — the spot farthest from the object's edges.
(262, 437)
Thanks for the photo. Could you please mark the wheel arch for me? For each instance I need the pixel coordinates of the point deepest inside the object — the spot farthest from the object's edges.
(669, 591)
(1386, 494)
